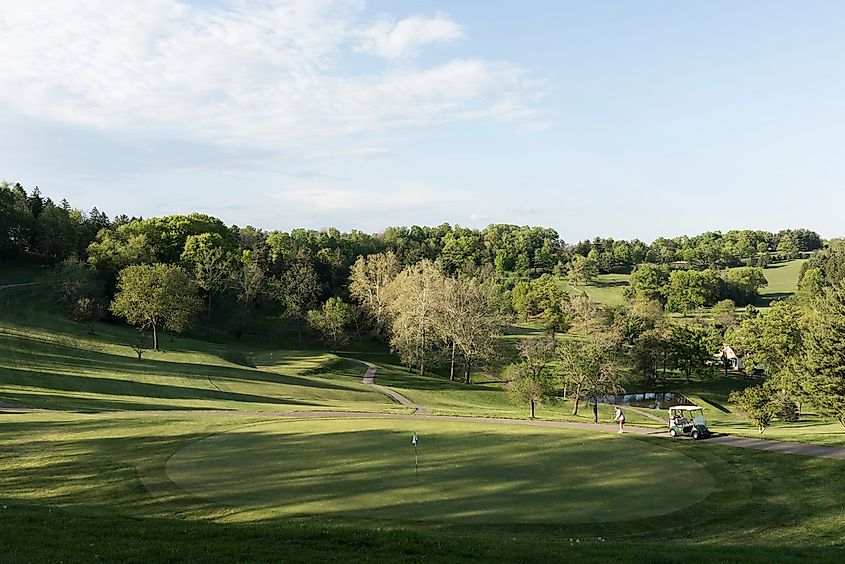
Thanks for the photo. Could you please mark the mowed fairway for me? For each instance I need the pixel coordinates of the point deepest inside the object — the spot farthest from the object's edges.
(49, 362)
(468, 473)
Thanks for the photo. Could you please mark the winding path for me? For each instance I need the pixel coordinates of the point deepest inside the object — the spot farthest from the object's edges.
(370, 380)
(801, 449)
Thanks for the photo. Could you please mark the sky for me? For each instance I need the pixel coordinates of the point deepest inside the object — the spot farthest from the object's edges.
(607, 118)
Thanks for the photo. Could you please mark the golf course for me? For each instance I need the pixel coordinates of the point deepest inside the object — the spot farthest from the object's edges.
(219, 450)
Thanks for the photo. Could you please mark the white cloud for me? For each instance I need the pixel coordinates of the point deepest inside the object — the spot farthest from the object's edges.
(324, 196)
(268, 75)
(405, 37)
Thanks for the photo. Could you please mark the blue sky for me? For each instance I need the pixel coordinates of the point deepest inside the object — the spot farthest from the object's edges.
(624, 119)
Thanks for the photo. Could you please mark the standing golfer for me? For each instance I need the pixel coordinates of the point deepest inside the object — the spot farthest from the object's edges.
(620, 417)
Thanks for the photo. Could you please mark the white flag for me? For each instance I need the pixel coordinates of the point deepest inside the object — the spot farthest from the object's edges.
(414, 440)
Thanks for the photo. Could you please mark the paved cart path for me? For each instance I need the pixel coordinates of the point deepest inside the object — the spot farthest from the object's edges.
(370, 380)
(801, 449)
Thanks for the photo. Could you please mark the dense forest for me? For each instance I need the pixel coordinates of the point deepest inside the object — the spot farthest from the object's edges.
(442, 296)
(35, 226)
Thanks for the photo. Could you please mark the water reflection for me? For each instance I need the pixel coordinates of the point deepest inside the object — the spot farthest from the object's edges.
(649, 400)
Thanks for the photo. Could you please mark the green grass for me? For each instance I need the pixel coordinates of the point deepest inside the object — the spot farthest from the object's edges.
(100, 486)
(49, 362)
(469, 473)
(782, 281)
(232, 485)
(606, 289)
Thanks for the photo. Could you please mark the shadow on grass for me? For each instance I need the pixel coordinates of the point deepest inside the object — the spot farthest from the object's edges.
(610, 283)
(93, 507)
(765, 300)
(60, 384)
(56, 369)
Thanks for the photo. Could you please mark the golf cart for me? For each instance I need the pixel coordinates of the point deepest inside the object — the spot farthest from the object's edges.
(687, 421)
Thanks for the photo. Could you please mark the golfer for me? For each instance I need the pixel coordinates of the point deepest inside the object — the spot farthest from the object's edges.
(620, 417)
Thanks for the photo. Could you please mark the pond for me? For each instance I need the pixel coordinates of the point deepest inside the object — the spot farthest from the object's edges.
(649, 400)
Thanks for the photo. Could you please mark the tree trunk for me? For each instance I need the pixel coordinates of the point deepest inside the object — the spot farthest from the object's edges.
(532, 409)
(576, 400)
(155, 336)
(467, 372)
(299, 330)
(207, 315)
(596, 410)
(452, 363)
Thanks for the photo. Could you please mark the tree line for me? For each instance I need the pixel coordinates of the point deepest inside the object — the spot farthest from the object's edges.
(443, 296)
(31, 224)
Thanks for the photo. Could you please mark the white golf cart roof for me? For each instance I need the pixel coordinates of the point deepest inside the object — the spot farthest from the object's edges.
(686, 408)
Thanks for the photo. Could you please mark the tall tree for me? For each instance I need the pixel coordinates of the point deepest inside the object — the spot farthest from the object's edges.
(582, 270)
(297, 290)
(743, 284)
(80, 291)
(530, 381)
(550, 301)
(589, 369)
(824, 374)
(211, 266)
(414, 298)
(774, 341)
(331, 321)
(688, 290)
(154, 296)
(368, 281)
(250, 280)
(468, 317)
(690, 348)
(757, 403)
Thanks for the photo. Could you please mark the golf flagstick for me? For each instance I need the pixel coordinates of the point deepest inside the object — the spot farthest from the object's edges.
(416, 457)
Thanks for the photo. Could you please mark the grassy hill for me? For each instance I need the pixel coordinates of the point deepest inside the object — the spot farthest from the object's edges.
(177, 458)
(783, 281)
(608, 288)
(47, 361)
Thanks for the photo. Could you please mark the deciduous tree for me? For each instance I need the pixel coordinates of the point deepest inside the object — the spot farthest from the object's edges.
(297, 290)
(211, 267)
(582, 270)
(331, 321)
(154, 296)
(470, 321)
(757, 403)
(368, 281)
(414, 298)
(589, 369)
(530, 381)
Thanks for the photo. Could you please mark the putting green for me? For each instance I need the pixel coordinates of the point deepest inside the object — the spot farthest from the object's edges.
(468, 472)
